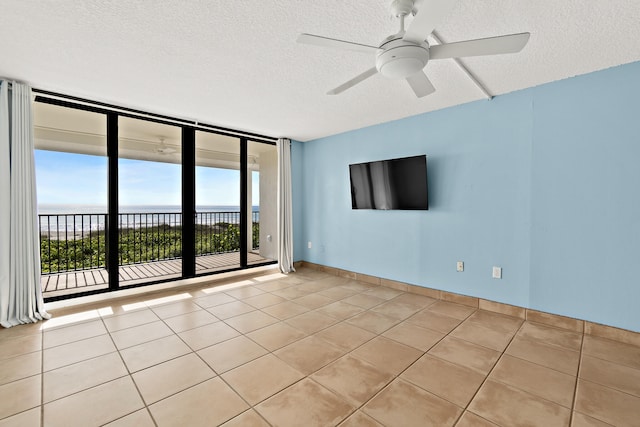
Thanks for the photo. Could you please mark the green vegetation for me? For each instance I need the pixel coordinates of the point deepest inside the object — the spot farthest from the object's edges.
(139, 245)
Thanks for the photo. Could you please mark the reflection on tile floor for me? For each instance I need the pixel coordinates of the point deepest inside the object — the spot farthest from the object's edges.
(309, 349)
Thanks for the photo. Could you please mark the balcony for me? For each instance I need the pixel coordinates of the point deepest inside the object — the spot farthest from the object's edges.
(73, 248)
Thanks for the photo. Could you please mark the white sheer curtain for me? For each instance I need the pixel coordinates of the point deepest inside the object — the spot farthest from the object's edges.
(285, 210)
(20, 291)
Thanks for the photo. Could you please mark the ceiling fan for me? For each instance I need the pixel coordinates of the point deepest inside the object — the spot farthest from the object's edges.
(405, 54)
(163, 149)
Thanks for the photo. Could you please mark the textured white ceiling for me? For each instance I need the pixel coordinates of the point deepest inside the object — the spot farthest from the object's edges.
(236, 63)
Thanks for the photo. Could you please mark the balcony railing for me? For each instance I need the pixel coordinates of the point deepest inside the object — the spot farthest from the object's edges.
(72, 242)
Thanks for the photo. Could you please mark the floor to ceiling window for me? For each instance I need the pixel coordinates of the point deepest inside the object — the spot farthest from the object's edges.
(71, 178)
(128, 199)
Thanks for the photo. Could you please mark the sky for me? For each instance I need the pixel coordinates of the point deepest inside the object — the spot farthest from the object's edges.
(66, 178)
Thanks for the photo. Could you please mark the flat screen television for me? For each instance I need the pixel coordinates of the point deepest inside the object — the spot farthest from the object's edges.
(390, 184)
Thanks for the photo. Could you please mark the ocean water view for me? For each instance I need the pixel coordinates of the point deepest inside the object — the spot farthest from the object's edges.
(71, 219)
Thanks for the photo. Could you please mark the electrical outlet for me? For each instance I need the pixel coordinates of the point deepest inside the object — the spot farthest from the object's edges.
(460, 266)
(497, 272)
(309, 245)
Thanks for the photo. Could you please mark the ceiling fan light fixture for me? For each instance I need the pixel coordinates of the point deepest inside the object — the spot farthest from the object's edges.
(400, 59)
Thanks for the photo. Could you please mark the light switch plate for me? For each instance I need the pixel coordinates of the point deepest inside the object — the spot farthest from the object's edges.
(460, 266)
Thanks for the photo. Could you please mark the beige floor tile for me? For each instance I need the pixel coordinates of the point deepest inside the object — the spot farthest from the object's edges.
(612, 351)
(338, 292)
(478, 334)
(345, 336)
(151, 353)
(581, 420)
(274, 376)
(373, 322)
(353, 378)
(22, 330)
(275, 285)
(360, 419)
(340, 310)
(78, 351)
(245, 292)
(414, 336)
(396, 309)
(313, 286)
(432, 320)
(309, 354)
(452, 382)
(173, 376)
(212, 300)
(304, 404)
(175, 309)
(292, 293)
(23, 419)
(129, 320)
(358, 286)
(313, 301)
(363, 300)
(457, 311)
(73, 333)
(184, 322)
(535, 379)
(248, 418)
(140, 334)
(466, 354)
(403, 404)
(285, 310)
(311, 322)
(20, 367)
(81, 376)
(231, 353)
(383, 292)
(606, 404)
(230, 309)
(276, 336)
(509, 406)
(620, 377)
(263, 300)
(387, 355)
(553, 357)
(95, 406)
(20, 395)
(207, 404)
(418, 301)
(139, 418)
(551, 336)
(495, 321)
(251, 321)
(207, 335)
(469, 419)
(16, 346)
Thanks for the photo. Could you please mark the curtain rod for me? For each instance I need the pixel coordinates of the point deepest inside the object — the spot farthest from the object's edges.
(110, 107)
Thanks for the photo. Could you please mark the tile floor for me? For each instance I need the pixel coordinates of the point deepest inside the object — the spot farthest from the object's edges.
(309, 349)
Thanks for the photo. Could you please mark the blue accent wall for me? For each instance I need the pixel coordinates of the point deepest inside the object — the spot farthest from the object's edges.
(542, 182)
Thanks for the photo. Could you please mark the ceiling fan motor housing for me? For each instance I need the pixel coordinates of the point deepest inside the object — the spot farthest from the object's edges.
(399, 59)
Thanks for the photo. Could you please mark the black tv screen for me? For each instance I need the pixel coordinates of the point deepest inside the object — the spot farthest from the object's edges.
(390, 184)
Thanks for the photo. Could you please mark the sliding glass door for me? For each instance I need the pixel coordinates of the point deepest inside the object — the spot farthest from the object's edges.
(217, 191)
(71, 183)
(262, 223)
(149, 201)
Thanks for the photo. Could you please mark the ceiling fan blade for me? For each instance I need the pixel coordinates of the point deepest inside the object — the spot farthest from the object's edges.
(421, 84)
(335, 43)
(430, 15)
(354, 81)
(490, 46)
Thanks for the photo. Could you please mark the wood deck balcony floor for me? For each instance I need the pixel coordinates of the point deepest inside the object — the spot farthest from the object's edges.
(70, 282)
